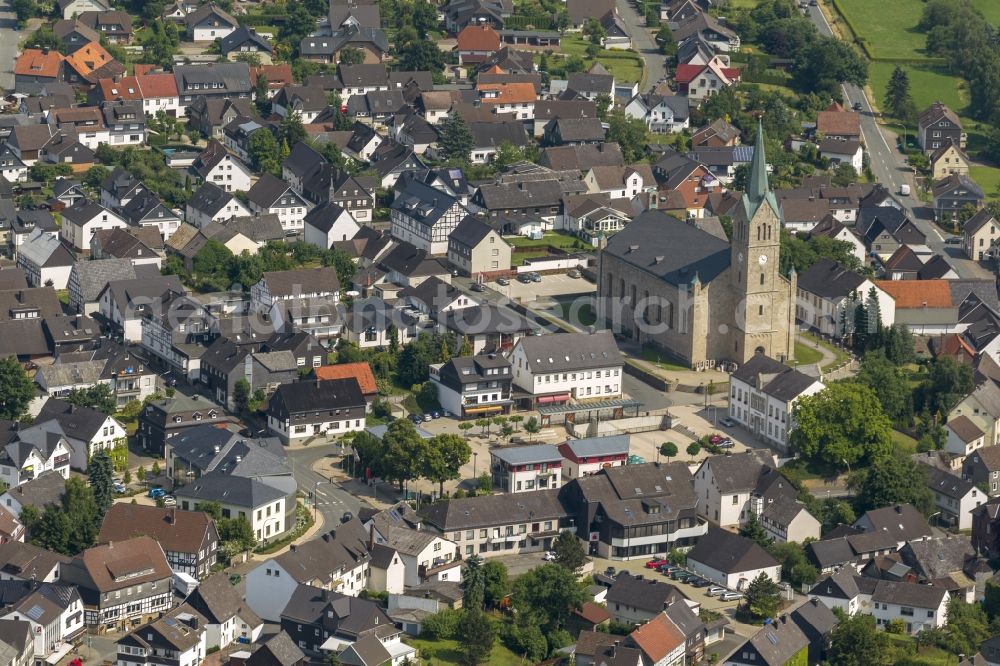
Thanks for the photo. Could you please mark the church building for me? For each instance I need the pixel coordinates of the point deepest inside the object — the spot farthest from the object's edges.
(702, 299)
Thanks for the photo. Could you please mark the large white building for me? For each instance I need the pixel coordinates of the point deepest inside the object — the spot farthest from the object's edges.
(520, 469)
(762, 395)
(568, 366)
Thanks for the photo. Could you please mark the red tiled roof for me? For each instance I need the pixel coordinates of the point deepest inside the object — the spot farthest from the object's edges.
(140, 70)
(35, 62)
(838, 123)
(359, 371)
(278, 76)
(90, 58)
(917, 293)
(686, 73)
(508, 93)
(157, 85)
(658, 638)
(593, 613)
(478, 38)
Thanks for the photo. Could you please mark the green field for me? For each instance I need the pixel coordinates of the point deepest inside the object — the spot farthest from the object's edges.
(990, 9)
(625, 65)
(806, 355)
(988, 178)
(927, 85)
(889, 26)
(446, 653)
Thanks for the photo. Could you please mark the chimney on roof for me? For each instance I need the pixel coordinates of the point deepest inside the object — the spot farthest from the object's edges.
(171, 517)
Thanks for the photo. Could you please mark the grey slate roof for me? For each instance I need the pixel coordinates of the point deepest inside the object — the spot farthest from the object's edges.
(642, 593)
(562, 352)
(730, 553)
(470, 232)
(234, 490)
(947, 484)
(470, 512)
(739, 472)
(324, 556)
(596, 446)
(829, 279)
(670, 249)
(908, 594)
(526, 455)
(774, 378)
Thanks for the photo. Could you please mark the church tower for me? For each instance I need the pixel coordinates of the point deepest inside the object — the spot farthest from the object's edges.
(762, 315)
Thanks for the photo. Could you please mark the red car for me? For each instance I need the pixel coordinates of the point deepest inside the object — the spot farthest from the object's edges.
(652, 564)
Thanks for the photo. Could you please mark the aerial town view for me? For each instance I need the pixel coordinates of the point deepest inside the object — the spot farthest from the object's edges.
(499, 332)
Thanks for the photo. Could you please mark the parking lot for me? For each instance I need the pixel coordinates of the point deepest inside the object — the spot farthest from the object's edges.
(558, 284)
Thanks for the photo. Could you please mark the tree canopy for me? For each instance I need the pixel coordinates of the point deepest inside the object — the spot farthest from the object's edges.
(841, 426)
(16, 389)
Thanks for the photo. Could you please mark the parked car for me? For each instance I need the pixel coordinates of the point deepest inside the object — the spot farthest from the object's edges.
(730, 596)
(157, 493)
(575, 274)
(436, 414)
(549, 556)
(478, 286)
(119, 488)
(699, 582)
(535, 277)
(610, 571)
(427, 417)
(416, 418)
(524, 278)
(728, 422)
(715, 439)
(656, 563)
(502, 281)
(169, 500)
(953, 240)
(726, 444)
(857, 106)
(713, 591)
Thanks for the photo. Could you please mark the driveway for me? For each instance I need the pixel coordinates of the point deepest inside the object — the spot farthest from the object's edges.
(9, 38)
(643, 42)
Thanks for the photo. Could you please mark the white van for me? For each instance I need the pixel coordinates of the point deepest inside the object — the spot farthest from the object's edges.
(904, 190)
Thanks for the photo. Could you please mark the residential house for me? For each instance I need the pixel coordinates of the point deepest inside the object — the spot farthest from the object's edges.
(979, 234)
(954, 496)
(836, 122)
(329, 223)
(105, 575)
(275, 286)
(938, 125)
(273, 195)
(211, 203)
(337, 560)
(155, 92)
(45, 260)
(208, 23)
(306, 409)
(54, 614)
(215, 165)
(228, 618)
(843, 152)
(189, 538)
(885, 228)
(126, 123)
(635, 599)
(174, 640)
(422, 554)
(246, 40)
(476, 249)
(985, 528)
(526, 468)
(725, 485)
(955, 192)
(35, 68)
(919, 607)
(212, 81)
(46, 490)
(83, 220)
(573, 132)
(661, 113)
(87, 431)
(827, 292)
(165, 418)
(699, 82)
(211, 115)
(472, 387)
(32, 453)
(901, 522)
(620, 511)
(266, 506)
(763, 393)
(715, 135)
(731, 560)
(661, 642)
(982, 466)
(115, 26)
(947, 160)
(424, 216)
(710, 30)
(560, 367)
(475, 43)
(589, 455)
(776, 644)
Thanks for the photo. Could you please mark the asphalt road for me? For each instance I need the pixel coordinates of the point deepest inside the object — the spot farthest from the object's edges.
(645, 44)
(888, 165)
(9, 37)
(332, 499)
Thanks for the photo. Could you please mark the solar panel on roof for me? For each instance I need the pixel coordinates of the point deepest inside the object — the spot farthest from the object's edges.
(35, 612)
(771, 637)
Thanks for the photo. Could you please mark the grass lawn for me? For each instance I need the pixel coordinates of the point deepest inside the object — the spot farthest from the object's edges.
(890, 26)
(928, 84)
(841, 355)
(806, 355)
(930, 656)
(440, 653)
(625, 65)
(654, 356)
(904, 442)
(582, 315)
(990, 9)
(565, 241)
(988, 178)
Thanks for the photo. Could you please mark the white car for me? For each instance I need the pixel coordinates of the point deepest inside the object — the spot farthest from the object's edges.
(730, 596)
(168, 500)
(549, 556)
(712, 591)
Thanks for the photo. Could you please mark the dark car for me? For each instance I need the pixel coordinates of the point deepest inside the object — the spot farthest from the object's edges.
(699, 582)
(478, 286)
(524, 278)
(436, 414)
(534, 277)
(857, 106)
(953, 240)
(610, 571)
(503, 282)
(416, 418)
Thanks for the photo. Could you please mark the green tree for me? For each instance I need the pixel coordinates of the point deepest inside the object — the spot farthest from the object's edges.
(826, 64)
(855, 641)
(446, 456)
(628, 133)
(604, 103)
(263, 150)
(101, 473)
(261, 93)
(531, 426)
(889, 384)
(405, 450)
(893, 479)
(238, 532)
(547, 595)
(693, 449)
(526, 639)
(754, 531)
(668, 450)
(455, 139)
(968, 626)
(420, 56)
(97, 397)
(763, 597)
(159, 42)
(898, 100)
(948, 381)
(241, 394)
(473, 584)
(795, 567)
(213, 509)
(291, 130)
(842, 424)
(569, 552)
(71, 527)
(95, 175)
(477, 634)
(496, 584)
(16, 389)
(351, 56)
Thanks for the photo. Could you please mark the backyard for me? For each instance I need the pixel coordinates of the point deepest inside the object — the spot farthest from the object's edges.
(625, 65)
(441, 652)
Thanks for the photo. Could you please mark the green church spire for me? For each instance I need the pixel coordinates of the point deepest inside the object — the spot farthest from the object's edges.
(758, 188)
